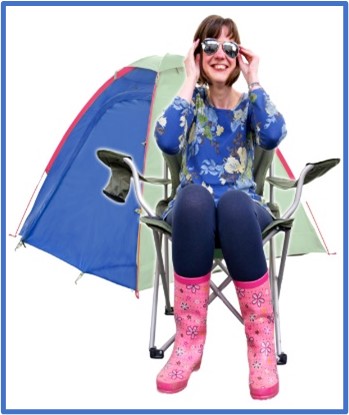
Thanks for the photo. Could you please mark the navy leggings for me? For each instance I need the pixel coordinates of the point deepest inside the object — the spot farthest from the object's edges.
(235, 225)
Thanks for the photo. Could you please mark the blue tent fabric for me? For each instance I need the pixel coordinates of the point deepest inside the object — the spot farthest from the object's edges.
(67, 219)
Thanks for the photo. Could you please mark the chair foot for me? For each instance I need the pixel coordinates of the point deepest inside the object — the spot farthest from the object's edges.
(169, 312)
(282, 359)
(156, 353)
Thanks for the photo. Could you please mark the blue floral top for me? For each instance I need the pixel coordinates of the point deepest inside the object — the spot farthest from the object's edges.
(217, 145)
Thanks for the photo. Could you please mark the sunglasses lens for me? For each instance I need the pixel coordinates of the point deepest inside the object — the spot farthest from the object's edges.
(210, 46)
(230, 49)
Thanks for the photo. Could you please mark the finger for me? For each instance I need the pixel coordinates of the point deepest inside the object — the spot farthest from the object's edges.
(195, 44)
(246, 52)
(242, 64)
(243, 59)
(192, 48)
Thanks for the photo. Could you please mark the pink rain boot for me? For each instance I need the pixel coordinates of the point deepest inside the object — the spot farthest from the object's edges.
(257, 312)
(190, 311)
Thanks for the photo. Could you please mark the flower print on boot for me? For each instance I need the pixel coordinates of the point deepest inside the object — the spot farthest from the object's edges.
(257, 312)
(190, 311)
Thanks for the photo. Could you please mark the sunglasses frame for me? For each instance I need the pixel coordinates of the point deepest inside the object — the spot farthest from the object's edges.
(229, 42)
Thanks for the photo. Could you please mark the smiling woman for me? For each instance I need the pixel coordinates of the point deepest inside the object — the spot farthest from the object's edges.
(215, 128)
(208, 34)
(66, 343)
(220, 69)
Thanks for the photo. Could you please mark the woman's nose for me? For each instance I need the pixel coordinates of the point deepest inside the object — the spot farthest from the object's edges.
(220, 52)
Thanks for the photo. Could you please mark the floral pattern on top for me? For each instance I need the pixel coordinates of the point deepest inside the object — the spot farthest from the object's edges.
(217, 145)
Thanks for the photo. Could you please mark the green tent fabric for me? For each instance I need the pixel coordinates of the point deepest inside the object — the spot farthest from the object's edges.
(170, 78)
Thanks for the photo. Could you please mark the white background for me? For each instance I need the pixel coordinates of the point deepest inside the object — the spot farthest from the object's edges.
(85, 346)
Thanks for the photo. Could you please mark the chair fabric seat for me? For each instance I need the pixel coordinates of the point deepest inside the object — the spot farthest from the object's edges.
(159, 224)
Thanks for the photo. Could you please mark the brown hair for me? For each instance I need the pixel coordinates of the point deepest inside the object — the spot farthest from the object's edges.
(212, 27)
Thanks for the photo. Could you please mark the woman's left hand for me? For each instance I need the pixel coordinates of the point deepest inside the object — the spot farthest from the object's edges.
(248, 63)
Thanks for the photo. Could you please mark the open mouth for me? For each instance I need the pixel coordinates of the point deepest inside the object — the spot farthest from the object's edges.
(219, 67)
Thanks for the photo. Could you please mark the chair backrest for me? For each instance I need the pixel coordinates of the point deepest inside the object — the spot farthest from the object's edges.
(261, 164)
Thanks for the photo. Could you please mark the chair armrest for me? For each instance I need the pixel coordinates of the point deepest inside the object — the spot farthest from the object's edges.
(318, 170)
(122, 168)
(310, 172)
(137, 187)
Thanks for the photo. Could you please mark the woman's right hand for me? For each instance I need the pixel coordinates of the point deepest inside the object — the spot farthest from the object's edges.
(192, 63)
(192, 70)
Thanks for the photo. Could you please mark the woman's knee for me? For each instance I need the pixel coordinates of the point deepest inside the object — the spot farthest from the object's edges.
(194, 199)
(194, 215)
(237, 205)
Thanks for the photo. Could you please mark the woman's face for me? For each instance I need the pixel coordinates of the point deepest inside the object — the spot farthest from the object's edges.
(218, 67)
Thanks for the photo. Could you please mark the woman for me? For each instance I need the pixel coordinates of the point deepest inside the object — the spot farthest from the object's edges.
(216, 128)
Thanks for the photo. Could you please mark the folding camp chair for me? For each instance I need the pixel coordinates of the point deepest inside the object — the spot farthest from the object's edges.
(123, 168)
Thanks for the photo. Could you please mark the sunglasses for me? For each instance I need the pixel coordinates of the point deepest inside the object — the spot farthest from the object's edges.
(211, 46)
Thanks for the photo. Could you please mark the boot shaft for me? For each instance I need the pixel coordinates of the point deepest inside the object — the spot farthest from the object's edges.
(191, 302)
(256, 306)
(255, 298)
(190, 311)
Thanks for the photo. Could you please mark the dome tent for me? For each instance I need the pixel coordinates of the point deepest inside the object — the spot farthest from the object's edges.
(73, 220)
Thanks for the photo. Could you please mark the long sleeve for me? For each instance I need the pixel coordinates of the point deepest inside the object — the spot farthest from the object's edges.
(172, 126)
(267, 123)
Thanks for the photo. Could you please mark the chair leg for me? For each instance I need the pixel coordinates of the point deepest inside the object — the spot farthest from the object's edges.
(275, 285)
(152, 347)
(217, 292)
(160, 272)
(283, 259)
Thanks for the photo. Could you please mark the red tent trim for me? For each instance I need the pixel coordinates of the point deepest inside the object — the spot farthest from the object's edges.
(285, 164)
(75, 122)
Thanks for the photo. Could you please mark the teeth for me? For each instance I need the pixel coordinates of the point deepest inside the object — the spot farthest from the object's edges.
(220, 67)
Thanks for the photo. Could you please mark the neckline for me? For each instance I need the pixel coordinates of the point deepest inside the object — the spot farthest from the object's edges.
(208, 103)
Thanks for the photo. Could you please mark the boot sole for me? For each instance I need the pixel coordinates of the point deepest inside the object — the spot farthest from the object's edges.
(169, 388)
(265, 393)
